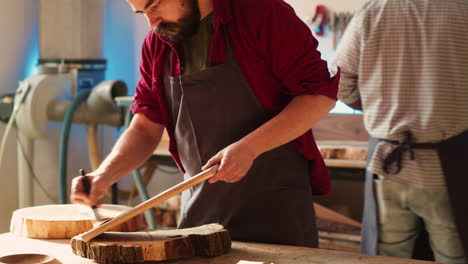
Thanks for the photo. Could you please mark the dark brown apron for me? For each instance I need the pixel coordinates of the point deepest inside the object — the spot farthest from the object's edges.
(212, 109)
(453, 155)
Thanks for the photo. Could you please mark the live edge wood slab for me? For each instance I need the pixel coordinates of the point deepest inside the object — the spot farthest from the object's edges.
(157, 245)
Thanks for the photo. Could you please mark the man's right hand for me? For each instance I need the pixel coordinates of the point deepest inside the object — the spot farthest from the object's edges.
(133, 148)
(99, 188)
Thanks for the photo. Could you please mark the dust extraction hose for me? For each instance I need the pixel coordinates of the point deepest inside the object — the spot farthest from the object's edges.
(63, 152)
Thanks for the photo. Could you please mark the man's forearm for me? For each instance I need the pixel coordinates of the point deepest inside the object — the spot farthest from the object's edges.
(132, 149)
(301, 114)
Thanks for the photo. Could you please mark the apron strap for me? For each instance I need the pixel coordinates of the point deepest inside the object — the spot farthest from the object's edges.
(405, 145)
(227, 43)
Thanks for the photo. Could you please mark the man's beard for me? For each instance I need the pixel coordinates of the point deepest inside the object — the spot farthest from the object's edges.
(184, 28)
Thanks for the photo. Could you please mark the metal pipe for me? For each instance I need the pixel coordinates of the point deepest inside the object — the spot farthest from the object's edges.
(56, 112)
(99, 109)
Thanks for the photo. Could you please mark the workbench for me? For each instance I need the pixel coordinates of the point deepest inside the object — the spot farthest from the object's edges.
(257, 253)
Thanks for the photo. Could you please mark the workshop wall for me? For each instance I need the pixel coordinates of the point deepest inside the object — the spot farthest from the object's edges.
(306, 8)
(18, 53)
(122, 43)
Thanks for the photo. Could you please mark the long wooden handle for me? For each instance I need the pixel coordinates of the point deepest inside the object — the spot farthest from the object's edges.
(125, 216)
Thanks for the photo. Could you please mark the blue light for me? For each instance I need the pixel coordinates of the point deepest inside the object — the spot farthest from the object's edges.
(120, 48)
(31, 58)
(342, 108)
(31, 61)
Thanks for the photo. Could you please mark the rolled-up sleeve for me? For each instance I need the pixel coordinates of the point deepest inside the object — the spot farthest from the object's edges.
(146, 100)
(293, 52)
(347, 58)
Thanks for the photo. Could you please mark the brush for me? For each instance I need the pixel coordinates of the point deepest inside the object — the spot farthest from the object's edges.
(87, 189)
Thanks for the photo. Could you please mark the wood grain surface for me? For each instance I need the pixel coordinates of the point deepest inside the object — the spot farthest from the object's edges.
(157, 245)
(68, 220)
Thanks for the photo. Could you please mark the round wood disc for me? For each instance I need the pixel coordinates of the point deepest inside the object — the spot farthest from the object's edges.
(27, 259)
(68, 220)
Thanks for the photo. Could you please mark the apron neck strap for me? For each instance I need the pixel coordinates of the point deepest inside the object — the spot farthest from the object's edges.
(227, 43)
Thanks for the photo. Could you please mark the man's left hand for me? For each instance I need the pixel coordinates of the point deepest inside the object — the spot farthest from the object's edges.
(234, 162)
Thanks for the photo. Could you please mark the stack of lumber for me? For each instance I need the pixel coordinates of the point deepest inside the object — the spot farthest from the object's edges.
(343, 153)
(337, 231)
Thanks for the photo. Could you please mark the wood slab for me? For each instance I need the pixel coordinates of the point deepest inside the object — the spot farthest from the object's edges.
(157, 245)
(68, 220)
(328, 214)
(332, 243)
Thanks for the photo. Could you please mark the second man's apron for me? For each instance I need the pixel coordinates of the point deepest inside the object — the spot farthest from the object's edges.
(453, 154)
(212, 109)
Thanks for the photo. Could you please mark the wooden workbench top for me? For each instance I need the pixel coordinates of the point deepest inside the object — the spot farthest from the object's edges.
(61, 250)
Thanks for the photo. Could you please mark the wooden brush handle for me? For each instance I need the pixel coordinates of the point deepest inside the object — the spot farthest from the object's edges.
(141, 208)
(86, 185)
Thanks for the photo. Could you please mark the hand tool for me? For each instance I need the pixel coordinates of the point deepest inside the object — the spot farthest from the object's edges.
(87, 189)
(139, 209)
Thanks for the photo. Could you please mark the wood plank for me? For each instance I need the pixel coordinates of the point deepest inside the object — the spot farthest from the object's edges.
(117, 247)
(68, 220)
(326, 213)
(340, 163)
(340, 236)
(339, 245)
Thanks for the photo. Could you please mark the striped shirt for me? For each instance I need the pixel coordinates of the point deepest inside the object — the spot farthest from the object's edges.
(407, 61)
